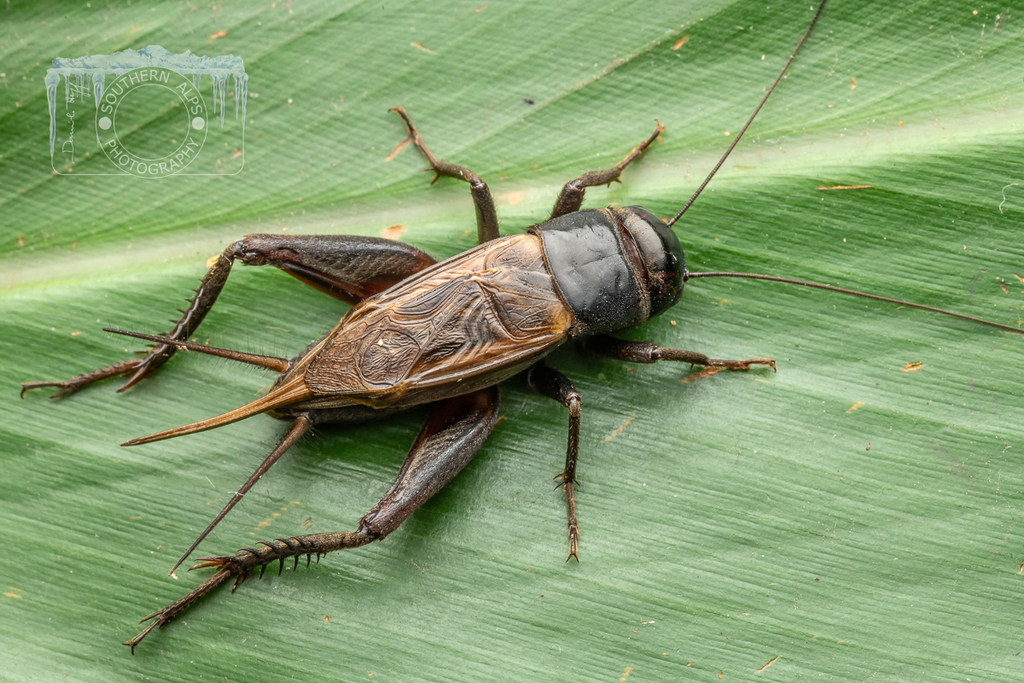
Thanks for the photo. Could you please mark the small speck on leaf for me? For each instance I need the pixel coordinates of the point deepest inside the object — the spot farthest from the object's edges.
(706, 372)
(618, 430)
(393, 232)
(421, 47)
(398, 148)
(913, 366)
(512, 198)
(844, 187)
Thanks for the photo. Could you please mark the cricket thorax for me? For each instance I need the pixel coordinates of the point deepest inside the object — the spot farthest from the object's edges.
(608, 279)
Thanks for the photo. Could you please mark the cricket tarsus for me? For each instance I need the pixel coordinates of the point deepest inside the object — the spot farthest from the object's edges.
(242, 563)
(841, 290)
(646, 352)
(165, 614)
(743, 130)
(72, 385)
(140, 368)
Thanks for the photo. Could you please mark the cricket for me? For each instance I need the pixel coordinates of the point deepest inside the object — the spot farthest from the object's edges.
(447, 334)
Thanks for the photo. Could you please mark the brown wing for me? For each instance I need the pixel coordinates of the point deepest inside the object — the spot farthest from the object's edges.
(461, 325)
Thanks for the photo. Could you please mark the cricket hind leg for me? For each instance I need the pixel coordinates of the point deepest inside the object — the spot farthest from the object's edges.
(346, 267)
(452, 435)
(570, 199)
(158, 354)
(646, 352)
(553, 384)
(486, 214)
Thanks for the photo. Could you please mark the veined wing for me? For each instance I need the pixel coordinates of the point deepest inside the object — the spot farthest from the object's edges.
(463, 324)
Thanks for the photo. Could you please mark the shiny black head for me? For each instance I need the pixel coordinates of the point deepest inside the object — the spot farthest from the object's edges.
(661, 253)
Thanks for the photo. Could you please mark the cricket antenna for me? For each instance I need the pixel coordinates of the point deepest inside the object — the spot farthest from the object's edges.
(739, 135)
(687, 275)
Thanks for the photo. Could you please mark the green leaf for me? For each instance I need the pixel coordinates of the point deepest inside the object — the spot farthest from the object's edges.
(847, 515)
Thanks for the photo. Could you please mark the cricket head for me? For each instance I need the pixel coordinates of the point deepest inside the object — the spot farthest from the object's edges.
(661, 253)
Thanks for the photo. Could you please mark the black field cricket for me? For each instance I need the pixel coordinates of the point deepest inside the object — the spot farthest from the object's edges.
(446, 334)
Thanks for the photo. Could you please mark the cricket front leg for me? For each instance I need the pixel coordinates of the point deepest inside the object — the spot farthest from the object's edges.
(453, 434)
(646, 352)
(347, 267)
